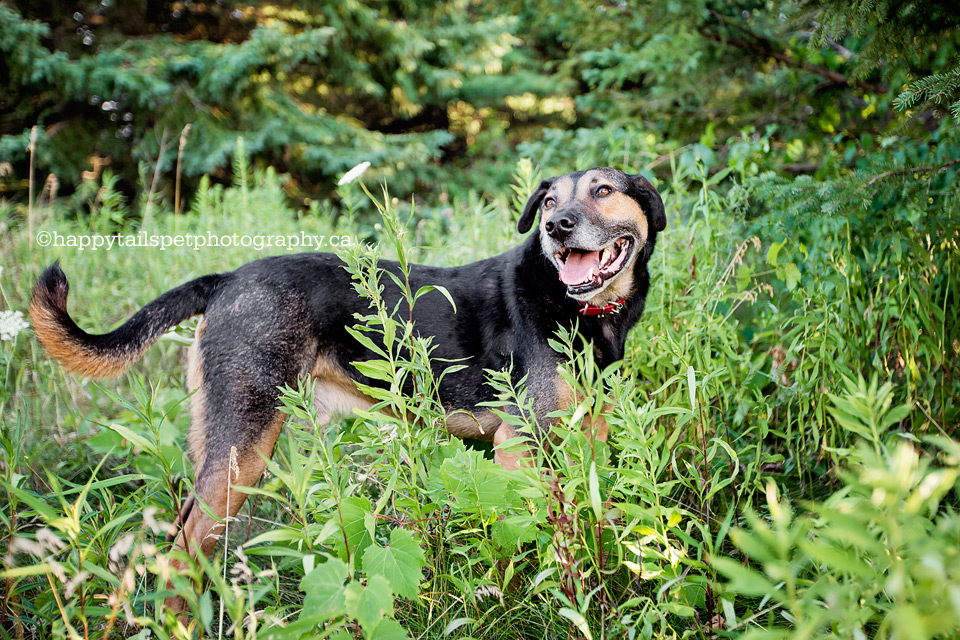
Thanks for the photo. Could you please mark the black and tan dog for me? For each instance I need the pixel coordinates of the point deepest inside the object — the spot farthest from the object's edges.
(276, 319)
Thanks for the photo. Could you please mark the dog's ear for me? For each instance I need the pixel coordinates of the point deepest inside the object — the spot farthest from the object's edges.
(533, 204)
(650, 201)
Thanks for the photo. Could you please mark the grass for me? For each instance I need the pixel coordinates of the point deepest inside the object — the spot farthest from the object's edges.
(783, 373)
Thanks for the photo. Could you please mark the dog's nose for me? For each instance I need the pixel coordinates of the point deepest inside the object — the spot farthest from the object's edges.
(560, 226)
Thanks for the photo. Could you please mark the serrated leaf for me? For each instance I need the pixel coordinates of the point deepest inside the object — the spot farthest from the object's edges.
(386, 629)
(475, 485)
(401, 563)
(510, 532)
(354, 538)
(368, 605)
(325, 590)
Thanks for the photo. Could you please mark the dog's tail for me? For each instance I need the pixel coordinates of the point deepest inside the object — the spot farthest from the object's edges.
(109, 354)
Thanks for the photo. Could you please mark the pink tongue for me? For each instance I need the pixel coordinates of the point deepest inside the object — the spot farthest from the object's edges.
(580, 267)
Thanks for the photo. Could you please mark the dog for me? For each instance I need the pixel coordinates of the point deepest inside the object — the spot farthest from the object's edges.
(279, 318)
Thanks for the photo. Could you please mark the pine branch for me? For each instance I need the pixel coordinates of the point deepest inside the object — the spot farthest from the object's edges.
(932, 89)
(764, 48)
(897, 172)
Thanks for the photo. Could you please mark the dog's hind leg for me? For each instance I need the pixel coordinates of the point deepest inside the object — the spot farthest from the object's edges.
(219, 485)
(235, 424)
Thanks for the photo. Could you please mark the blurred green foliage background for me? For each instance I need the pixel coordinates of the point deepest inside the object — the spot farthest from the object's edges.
(428, 90)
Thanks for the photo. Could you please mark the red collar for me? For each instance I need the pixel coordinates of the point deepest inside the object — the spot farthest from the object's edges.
(607, 309)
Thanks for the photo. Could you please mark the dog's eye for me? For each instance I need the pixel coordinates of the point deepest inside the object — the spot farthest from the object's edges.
(604, 191)
(548, 203)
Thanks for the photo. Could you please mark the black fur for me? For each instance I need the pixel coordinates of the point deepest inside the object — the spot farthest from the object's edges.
(268, 322)
(529, 213)
(142, 329)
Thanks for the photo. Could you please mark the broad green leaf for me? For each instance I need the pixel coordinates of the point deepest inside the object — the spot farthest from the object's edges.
(729, 612)
(206, 610)
(400, 563)
(510, 532)
(475, 485)
(386, 629)
(353, 538)
(578, 621)
(677, 609)
(772, 253)
(368, 605)
(325, 590)
(791, 275)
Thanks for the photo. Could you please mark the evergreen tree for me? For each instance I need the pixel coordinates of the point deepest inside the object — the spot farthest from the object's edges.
(312, 87)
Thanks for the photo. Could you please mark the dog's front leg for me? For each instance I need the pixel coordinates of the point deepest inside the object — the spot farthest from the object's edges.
(507, 459)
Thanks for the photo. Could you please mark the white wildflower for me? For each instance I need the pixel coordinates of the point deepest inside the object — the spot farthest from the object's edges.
(150, 520)
(11, 324)
(70, 588)
(26, 545)
(354, 173)
(129, 581)
(57, 569)
(120, 548)
(241, 570)
(163, 566)
(488, 591)
(49, 540)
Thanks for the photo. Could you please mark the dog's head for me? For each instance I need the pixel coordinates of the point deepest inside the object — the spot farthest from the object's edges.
(593, 225)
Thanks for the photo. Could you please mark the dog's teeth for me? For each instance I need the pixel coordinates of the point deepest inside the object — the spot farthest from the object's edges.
(606, 257)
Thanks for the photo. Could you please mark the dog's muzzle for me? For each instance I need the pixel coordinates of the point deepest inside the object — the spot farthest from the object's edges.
(588, 270)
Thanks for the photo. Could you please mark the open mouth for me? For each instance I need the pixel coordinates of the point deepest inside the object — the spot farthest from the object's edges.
(583, 270)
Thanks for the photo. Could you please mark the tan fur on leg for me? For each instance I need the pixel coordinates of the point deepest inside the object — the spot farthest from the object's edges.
(200, 532)
(505, 459)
